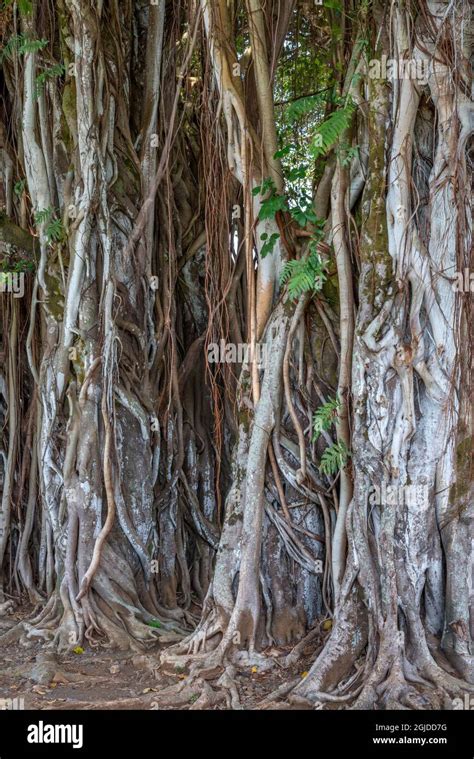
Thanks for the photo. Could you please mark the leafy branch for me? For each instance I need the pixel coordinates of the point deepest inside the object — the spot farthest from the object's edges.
(51, 73)
(272, 203)
(21, 45)
(269, 243)
(268, 209)
(24, 6)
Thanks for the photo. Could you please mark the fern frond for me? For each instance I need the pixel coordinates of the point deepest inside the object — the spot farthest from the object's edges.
(302, 106)
(54, 71)
(21, 44)
(304, 274)
(43, 215)
(325, 416)
(331, 129)
(334, 459)
(53, 227)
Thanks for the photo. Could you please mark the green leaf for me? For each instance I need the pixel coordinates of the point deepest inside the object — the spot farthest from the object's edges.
(154, 623)
(284, 151)
(304, 105)
(269, 244)
(303, 216)
(19, 187)
(31, 46)
(299, 216)
(54, 230)
(331, 130)
(306, 274)
(267, 185)
(334, 459)
(43, 215)
(21, 44)
(24, 6)
(271, 205)
(55, 71)
(299, 173)
(325, 416)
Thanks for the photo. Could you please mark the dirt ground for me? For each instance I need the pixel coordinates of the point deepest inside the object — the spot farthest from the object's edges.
(101, 678)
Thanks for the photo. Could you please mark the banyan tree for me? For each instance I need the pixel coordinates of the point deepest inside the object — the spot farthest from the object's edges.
(294, 177)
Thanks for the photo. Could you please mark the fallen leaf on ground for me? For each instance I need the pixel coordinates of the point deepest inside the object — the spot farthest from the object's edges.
(38, 689)
(58, 677)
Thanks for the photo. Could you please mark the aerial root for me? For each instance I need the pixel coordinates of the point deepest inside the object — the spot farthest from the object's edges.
(298, 651)
(271, 701)
(196, 689)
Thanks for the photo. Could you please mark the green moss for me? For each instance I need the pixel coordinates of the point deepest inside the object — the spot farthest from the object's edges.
(239, 475)
(78, 362)
(377, 277)
(69, 111)
(244, 419)
(288, 308)
(69, 115)
(463, 484)
(54, 303)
